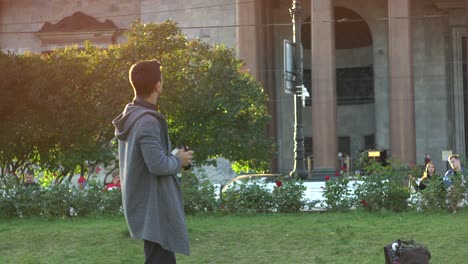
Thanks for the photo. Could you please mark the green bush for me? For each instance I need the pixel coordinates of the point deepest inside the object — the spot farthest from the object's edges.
(199, 194)
(105, 202)
(457, 193)
(337, 194)
(383, 188)
(248, 197)
(396, 198)
(255, 196)
(288, 194)
(434, 196)
(437, 196)
(57, 200)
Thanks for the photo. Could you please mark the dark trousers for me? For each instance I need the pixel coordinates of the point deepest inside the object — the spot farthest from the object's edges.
(155, 254)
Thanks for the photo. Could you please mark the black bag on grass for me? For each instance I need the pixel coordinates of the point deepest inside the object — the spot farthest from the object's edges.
(406, 252)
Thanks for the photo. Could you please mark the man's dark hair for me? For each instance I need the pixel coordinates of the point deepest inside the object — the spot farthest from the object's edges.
(143, 76)
(453, 156)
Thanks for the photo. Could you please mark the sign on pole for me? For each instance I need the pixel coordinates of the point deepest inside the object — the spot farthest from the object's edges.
(288, 67)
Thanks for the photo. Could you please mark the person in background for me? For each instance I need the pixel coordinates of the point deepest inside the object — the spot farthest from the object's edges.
(455, 182)
(29, 179)
(115, 184)
(82, 182)
(428, 175)
(456, 170)
(427, 159)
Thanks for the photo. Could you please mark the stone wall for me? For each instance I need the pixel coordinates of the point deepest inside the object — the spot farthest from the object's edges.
(22, 19)
(211, 21)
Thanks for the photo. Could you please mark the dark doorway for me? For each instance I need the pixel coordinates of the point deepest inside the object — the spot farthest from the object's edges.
(344, 145)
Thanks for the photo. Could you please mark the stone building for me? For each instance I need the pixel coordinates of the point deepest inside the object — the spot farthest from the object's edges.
(386, 75)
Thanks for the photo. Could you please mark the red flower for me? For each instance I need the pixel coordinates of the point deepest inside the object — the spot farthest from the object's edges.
(364, 203)
(82, 179)
(279, 183)
(98, 170)
(343, 168)
(337, 173)
(327, 178)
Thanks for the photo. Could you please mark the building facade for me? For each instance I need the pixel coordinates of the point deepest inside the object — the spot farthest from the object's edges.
(385, 75)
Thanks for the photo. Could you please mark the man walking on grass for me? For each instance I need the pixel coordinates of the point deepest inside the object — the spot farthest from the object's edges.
(151, 195)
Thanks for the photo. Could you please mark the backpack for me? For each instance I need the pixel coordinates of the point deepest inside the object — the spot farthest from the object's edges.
(406, 252)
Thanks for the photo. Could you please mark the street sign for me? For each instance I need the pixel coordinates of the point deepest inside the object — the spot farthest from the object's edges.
(288, 67)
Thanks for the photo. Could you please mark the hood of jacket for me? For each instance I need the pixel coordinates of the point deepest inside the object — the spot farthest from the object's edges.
(124, 122)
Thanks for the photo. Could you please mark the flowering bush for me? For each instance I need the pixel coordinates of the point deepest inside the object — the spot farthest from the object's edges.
(337, 194)
(383, 188)
(288, 194)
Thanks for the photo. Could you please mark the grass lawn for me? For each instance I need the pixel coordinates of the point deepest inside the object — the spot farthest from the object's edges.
(353, 237)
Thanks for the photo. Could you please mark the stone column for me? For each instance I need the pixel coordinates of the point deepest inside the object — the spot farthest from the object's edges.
(325, 141)
(401, 91)
(246, 35)
(466, 51)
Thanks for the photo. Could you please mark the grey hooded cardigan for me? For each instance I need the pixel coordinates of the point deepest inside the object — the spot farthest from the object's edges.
(151, 195)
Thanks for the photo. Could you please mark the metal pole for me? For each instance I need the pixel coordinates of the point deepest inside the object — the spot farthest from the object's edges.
(299, 164)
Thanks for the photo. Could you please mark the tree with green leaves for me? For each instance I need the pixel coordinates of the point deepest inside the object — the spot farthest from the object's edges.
(227, 108)
(58, 107)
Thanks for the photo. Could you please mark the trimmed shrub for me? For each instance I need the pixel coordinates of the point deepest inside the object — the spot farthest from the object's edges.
(199, 194)
(287, 196)
(57, 200)
(248, 197)
(383, 188)
(337, 194)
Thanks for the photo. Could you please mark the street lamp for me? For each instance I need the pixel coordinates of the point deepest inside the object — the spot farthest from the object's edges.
(299, 94)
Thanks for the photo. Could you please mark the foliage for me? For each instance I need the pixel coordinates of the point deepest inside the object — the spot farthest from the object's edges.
(198, 192)
(362, 162)
(57, 200)
(255, 196)
(58, 107)
(438, 196)
(383, 188)
(337, 193)
(50, 130)
(8, 188)
(248, 197)
(19, 115)
(457, 192)
(434, 196)
(287, 195)
(211, 105)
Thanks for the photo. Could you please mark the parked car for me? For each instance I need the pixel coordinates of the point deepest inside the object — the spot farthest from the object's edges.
(262, 178)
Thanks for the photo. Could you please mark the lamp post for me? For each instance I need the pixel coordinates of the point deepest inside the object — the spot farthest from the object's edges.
(299, 161)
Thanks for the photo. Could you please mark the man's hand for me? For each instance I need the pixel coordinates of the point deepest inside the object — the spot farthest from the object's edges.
(185, 156)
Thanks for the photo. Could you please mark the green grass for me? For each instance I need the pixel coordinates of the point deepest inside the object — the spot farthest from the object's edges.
(354, 237)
